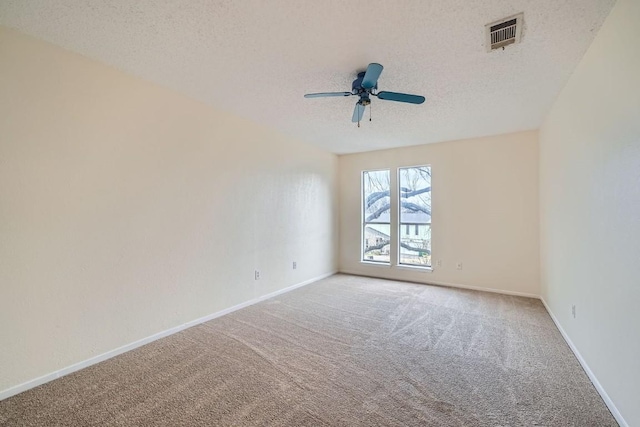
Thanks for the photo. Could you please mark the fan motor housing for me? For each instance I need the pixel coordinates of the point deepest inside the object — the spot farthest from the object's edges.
(356, 86)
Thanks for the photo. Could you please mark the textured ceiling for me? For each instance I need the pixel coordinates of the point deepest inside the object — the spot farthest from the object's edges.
(257, 58)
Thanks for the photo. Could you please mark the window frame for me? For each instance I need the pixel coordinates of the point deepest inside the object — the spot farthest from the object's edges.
(395, 224)
(363, 223)
(400, 223)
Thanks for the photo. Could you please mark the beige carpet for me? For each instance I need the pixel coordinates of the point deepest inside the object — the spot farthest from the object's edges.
(345, 351)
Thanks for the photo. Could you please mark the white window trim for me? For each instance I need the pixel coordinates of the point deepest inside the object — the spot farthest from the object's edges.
(363, 224)
(398, 264)
(394, 243)
(425, 269)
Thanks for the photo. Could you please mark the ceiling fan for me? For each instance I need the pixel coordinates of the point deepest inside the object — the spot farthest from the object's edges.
(365, 86)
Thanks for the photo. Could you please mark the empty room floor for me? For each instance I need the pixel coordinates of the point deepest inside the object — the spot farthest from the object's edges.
(345, 351)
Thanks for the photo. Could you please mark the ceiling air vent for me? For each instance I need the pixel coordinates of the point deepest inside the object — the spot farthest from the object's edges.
(504, 32)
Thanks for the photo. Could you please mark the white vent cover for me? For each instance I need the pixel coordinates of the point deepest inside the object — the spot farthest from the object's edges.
(503, 32)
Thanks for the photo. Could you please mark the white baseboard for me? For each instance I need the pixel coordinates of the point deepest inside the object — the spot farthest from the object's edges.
(448, 285)
(480, 288)
(12, 391)
(607, 400)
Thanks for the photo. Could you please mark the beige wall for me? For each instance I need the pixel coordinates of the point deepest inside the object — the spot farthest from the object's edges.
(127, 209)
(590, 208)
(485, 211)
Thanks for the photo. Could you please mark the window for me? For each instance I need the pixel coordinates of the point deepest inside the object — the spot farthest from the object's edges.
(376, 216)
(414, 189)
(411, 230)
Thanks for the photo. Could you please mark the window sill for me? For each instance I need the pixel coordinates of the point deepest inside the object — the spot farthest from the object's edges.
(399, 266)
(376, 264)
(414, 268)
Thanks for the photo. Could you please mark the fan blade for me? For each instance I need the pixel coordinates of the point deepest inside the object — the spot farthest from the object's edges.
(370, 79)
(326, 94)
(401, 97)
(358, 112)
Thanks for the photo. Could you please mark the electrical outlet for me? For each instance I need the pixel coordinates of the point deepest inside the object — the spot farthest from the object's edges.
(439, 263)
(295, 265)
(573, 311)
(257, 274)
(459, 265)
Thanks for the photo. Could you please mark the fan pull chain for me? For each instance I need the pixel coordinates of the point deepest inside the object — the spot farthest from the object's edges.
(370, 107)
